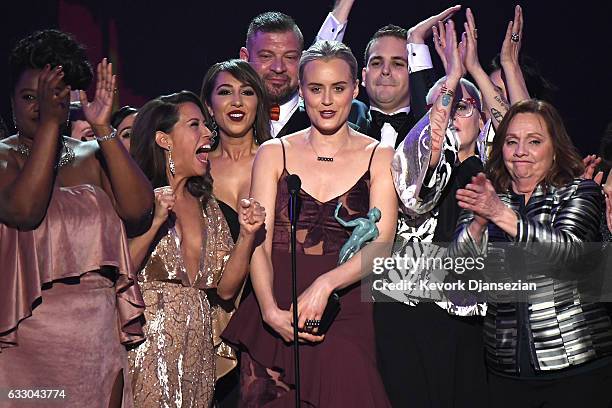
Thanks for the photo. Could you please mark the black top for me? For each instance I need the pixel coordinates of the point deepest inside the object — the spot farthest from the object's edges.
(449, 209)
(231, 217)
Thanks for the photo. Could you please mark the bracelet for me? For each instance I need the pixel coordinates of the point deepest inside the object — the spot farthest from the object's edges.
(110, 136)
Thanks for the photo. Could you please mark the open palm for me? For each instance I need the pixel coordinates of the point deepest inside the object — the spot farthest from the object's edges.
(98, 112)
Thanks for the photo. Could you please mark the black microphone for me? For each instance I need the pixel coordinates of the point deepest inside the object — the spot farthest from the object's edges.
(293, 185)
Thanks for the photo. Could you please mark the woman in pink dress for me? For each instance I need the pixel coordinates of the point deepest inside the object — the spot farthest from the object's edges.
(69, 304)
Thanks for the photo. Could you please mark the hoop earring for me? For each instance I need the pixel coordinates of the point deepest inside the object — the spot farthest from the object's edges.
(171, 162)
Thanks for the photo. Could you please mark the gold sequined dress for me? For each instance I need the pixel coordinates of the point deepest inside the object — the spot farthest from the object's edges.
(183, 355)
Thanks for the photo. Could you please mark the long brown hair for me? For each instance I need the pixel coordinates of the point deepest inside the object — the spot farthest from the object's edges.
(162, 113)
(243, 72)
(567, 163)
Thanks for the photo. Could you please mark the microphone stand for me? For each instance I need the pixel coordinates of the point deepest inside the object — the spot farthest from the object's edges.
(294, 183)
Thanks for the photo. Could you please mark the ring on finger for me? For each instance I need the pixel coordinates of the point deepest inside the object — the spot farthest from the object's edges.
(515, 37)
(312, 323)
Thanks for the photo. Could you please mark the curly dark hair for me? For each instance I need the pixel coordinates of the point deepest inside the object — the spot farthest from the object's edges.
(243, 72)
(567, 164)
(161, 114)
(55, 48)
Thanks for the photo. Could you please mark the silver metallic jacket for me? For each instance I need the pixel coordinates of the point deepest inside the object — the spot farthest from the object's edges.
(563, 329)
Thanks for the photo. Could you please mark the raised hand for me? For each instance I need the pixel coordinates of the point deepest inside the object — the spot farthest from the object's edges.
(52, 96)
(164, 202)
(509, 56)
(455, 67)
(98, 112)
(590, 165)
(439, 39)
(251, 216)
(468, 48)
(422, 30)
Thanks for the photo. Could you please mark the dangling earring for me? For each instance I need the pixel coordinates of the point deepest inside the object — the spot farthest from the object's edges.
(215, 133)
(171, 162)
(255, 135)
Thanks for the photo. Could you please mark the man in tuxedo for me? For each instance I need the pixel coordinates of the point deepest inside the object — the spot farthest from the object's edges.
(397, 74)
(273, 48)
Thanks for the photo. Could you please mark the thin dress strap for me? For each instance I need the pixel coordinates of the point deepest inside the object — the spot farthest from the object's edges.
(371, 156)
(284, 162)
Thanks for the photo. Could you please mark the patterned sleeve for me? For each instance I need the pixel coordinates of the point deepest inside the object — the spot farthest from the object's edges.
(418, 187)
(577, 220)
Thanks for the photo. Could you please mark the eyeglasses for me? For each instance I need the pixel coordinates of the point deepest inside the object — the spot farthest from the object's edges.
(464, 108)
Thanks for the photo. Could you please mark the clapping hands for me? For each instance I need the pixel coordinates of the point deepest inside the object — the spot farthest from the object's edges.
(98, 112)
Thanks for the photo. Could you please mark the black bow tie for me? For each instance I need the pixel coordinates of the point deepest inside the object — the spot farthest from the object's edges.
(397, 121)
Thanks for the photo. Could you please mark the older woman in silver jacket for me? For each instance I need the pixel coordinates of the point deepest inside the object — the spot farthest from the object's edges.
(552, 346)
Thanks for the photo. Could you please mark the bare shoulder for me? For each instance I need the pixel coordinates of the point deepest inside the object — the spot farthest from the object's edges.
(269, 156)
(382, 157)
(364, 139)
(294, 140)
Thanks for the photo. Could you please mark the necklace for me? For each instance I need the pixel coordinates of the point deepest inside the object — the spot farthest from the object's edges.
(66, 158)
(326, 158)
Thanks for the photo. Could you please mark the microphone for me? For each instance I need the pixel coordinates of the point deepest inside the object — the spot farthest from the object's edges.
(294, 183)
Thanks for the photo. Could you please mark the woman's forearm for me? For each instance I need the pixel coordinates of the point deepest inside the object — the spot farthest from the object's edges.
(131, 189)
(139, 246)
(507, 220)
(495, 102)
(262, 278)
(236, 268)
(517, 88)
(24, 200)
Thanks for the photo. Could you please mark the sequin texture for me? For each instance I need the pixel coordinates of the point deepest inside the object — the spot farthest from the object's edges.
(183, 355)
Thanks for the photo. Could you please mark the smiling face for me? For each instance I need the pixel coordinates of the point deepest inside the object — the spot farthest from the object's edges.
(528, 150)
(189, 141)
(25, 104)
(328, 88)
(386, 74)
(275, 57)
(233, 105)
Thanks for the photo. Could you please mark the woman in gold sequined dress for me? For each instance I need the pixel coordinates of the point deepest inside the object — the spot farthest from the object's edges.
(191, 270)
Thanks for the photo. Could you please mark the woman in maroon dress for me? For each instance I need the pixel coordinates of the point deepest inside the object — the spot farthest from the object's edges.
(336, 165)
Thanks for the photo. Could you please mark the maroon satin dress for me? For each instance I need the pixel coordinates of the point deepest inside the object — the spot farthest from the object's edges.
(340, 371)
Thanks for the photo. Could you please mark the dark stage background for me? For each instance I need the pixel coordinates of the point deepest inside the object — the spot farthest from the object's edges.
(162, 47)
